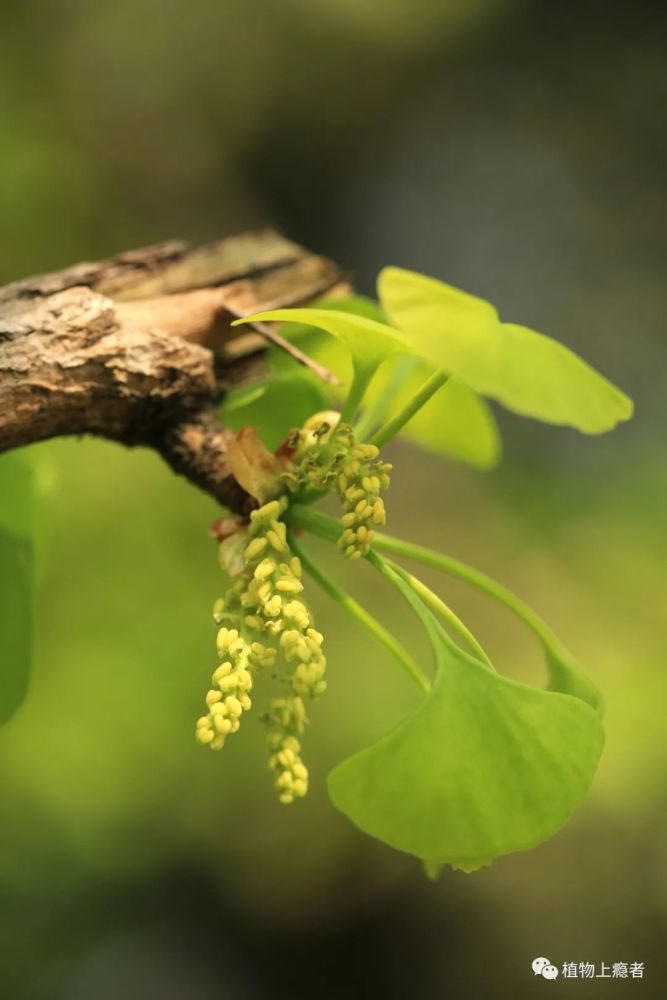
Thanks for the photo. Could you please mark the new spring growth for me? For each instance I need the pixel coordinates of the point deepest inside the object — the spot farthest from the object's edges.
(262, 615)
(330, 458)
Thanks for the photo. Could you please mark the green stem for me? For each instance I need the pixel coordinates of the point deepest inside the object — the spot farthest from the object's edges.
(422, 396)
(389, 572)
(566, 676)
(451, 566)
(360, 382)
(438, 605)
(328, 528)
(363, 617)
(316, 522)
(381, 405)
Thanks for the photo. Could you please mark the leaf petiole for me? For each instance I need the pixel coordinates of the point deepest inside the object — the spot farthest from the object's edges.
(377, 411)
(438, 605)
(565, 673)
(327, 528)
(316, 522)
(460, 570)
(362, 616)
(360, 382)
(420, 398)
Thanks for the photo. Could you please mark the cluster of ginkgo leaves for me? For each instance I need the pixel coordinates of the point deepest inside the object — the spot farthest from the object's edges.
(485, 765)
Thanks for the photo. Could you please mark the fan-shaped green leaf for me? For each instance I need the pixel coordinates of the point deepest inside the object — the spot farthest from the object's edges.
(369, 342)
(328, 350)
(483, 767)
(455, 422)
(527, 372)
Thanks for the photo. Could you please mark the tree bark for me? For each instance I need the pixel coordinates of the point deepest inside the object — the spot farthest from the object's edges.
(139, 348)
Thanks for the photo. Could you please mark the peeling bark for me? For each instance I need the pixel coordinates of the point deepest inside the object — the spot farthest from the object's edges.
(139, 348)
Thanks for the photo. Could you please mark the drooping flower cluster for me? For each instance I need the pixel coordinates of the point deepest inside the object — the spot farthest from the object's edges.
(331, 458)
(264, 622)
(261, 607)
(285, 720)
(359, 483)
(232, 681)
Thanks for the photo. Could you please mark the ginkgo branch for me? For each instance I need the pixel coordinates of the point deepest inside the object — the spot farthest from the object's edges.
(139, 348)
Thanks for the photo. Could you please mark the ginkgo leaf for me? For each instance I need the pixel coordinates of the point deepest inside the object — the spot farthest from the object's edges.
(526, 371)
(369, 342)
(483, 767)
(17, 580)
(567, 676)
(456, 422)
(328, 350)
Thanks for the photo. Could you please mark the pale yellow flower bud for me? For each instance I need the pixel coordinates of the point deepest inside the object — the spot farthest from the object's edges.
(273, 606)
(295, 566)
(222, 725)
(276, 542)
(379, 516)
(289, 636)
(270, 510)
(223, 670)
(353, 494)
(265, 569)
(280, 529)
(254, 549)
(289, 585)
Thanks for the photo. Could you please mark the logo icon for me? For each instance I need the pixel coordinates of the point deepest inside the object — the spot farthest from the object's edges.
(543, 967)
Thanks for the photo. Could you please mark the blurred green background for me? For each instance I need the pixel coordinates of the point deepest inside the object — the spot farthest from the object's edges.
(513, 148)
